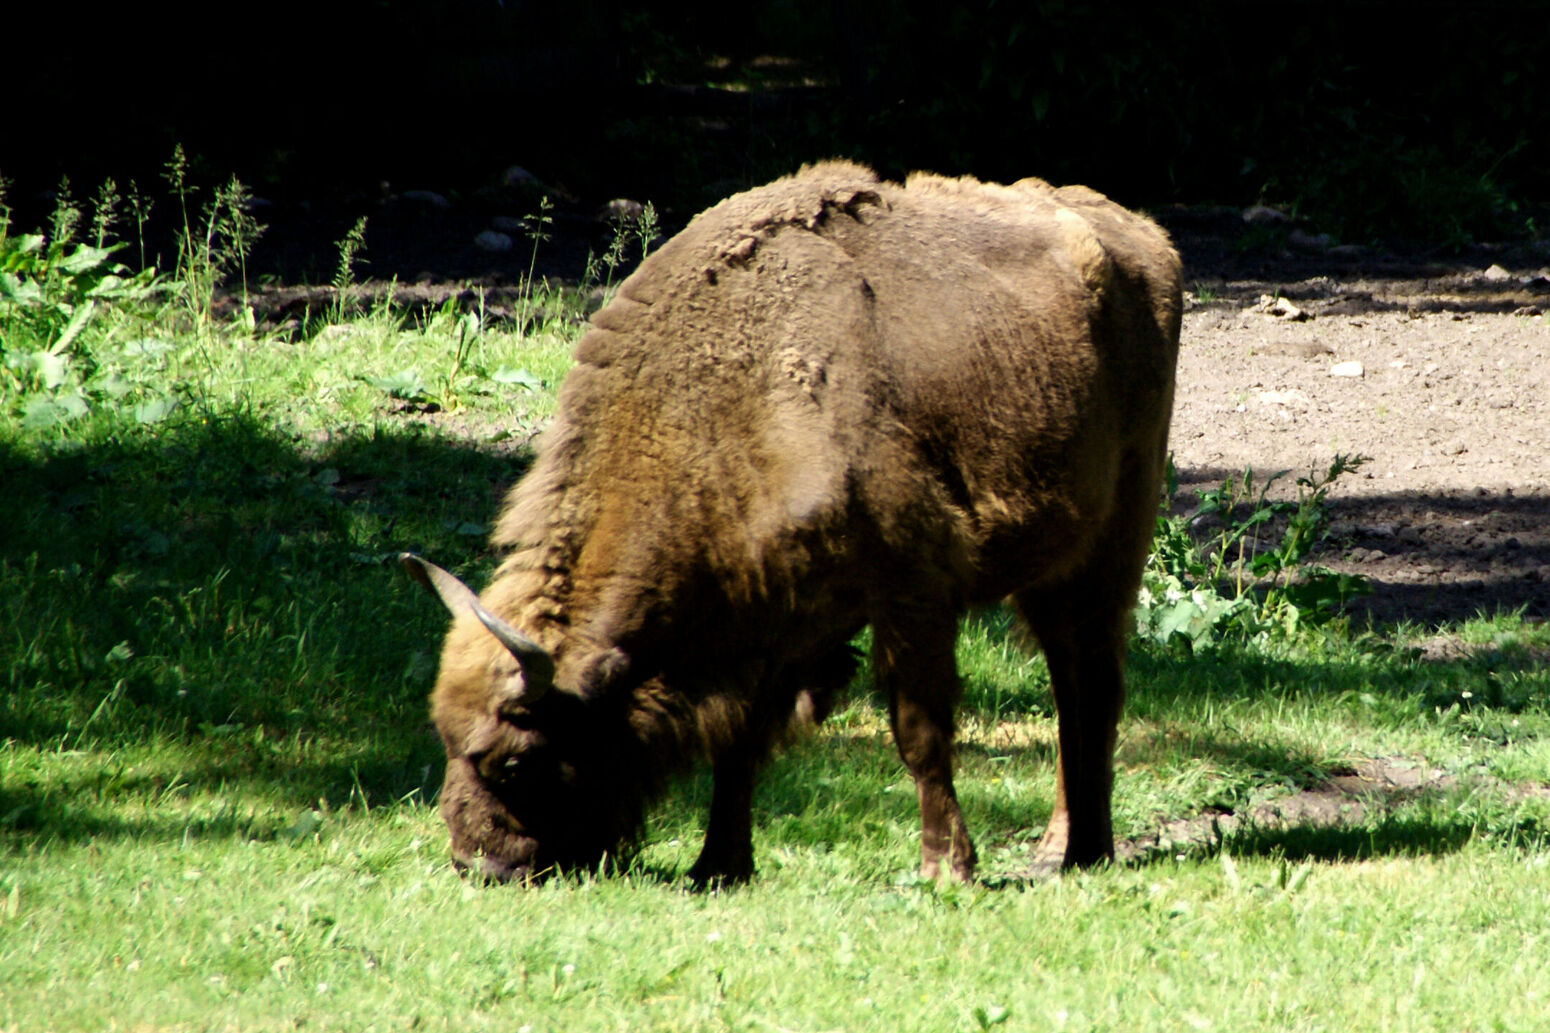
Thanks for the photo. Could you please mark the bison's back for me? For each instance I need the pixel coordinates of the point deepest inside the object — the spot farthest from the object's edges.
(833, 372)
(1032, 337)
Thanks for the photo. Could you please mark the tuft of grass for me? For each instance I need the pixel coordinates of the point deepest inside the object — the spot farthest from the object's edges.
(536, 225)
(221, 236)
(104, 212)
(642, 228)
(5, 208)
(140, 205)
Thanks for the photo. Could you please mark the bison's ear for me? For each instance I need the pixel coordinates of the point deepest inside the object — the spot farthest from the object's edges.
(536, 663)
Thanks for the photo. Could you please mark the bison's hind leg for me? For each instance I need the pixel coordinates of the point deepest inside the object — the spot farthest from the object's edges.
(1082, 624)
(915, 666)
(1085, 653)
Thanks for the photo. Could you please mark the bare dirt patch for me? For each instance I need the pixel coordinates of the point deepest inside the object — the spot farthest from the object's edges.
(1445, 386)
(1365, 792)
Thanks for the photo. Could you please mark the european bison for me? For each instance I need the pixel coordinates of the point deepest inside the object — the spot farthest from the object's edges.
(830, 402)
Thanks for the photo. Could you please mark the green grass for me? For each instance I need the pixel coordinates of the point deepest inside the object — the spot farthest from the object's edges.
(229, 880)
(217, 777)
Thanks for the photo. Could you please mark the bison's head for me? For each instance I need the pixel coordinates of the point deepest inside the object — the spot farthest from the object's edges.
(535, 782)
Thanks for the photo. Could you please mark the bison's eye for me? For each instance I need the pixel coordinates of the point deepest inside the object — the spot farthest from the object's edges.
(496, 749)
(498, 767)
(510, 767)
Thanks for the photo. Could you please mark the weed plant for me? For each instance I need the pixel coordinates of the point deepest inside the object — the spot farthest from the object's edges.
(537, 230)
(54, 290)
(642, 229)
(1231, 583)
(82, 337)
(211, 244)
(350, 246)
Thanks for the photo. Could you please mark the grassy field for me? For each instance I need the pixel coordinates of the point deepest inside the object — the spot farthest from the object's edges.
(217, 777)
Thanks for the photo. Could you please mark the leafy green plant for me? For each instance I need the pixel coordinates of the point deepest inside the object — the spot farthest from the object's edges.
(406, 385)
(1236, 583)
(54, 294)
(464, 335)
(469, 327)
(49, 293)
(1177, 604)
(51, 290)
(991, 1017)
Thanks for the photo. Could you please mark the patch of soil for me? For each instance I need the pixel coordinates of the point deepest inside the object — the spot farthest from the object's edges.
(1367, 791)
(1437, 371)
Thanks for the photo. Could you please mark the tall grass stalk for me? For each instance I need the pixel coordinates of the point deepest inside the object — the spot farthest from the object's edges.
(5, 208)
(67, 215)
(104, 212)
(349, 247)
(536, 226)
(140, 206)
(188, 269)
(232, 218)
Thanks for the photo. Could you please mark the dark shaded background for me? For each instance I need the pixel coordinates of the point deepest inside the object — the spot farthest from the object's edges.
(1430, 120)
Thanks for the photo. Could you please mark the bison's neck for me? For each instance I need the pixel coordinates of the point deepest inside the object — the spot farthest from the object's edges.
(591, 572)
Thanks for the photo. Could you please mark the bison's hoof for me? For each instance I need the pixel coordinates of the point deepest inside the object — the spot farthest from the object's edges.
(703, 876)
(1050, 860)
(1045, 866)
(935, 871)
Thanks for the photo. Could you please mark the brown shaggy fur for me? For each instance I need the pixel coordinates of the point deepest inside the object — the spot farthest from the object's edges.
(829, 402)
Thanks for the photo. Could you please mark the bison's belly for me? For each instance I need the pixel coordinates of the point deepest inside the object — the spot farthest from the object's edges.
(1041, 554)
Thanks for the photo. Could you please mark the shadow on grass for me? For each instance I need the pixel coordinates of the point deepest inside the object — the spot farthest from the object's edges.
(220, 585)
(103, 803)
(1425, 831)
(1433, 558)
(1431, 833)
(1390, 837)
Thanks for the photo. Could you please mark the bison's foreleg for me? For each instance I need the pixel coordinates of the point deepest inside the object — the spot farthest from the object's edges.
(915, 666)
(1084, 645)
(727, 856)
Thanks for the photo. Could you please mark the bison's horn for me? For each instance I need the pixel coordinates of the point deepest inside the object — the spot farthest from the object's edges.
(536, 663)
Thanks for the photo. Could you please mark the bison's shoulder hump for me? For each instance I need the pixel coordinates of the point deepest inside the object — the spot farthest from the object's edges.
(729, 234)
